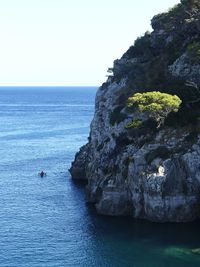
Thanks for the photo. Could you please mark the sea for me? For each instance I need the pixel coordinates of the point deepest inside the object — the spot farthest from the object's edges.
(45, 222)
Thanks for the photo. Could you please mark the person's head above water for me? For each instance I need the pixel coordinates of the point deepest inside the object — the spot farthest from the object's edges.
(42, 173)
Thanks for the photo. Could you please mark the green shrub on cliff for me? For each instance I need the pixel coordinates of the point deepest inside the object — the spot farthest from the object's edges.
(191, 3)
(156, 104)
(141, 46)
(116, 116)
(133, 124)
(175, 9)
(193, 50)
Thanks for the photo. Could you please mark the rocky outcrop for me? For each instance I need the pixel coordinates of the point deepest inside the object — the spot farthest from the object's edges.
(147, 172)
(78, 168)
(185, 68)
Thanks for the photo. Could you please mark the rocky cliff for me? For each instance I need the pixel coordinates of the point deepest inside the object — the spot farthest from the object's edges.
(144, 171)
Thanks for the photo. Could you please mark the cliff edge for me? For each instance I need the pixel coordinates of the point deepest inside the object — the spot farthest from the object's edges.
(140, 169)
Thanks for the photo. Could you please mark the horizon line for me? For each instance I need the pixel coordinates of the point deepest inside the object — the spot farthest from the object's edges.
(49, 86)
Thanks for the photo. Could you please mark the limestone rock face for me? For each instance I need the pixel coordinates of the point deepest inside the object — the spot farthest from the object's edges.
(145, 172)
(184, 68)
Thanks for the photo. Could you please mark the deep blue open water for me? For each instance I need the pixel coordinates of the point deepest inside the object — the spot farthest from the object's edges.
(45, 221)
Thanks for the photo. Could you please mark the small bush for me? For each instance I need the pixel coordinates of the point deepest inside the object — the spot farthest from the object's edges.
(140, 47)
(134, 124)
(116, 116)
(193, 50)
(175, 9)
(191, 3)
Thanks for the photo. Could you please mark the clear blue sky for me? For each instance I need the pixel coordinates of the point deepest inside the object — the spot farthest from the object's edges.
(69, 42)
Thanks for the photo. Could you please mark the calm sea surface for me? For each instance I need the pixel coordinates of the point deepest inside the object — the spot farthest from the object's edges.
(45, 221)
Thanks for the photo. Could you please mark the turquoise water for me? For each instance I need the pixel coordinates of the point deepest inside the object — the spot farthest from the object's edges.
(45, 221)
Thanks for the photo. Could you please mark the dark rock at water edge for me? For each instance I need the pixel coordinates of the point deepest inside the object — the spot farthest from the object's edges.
(78, 168)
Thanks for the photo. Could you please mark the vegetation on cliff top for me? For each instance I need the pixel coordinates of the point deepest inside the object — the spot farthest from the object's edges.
(146, 65)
